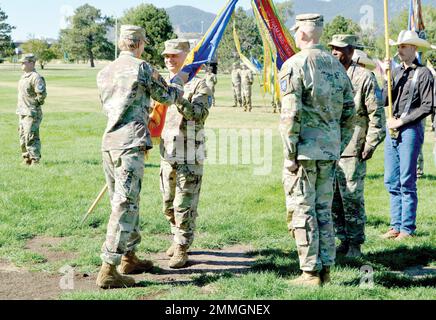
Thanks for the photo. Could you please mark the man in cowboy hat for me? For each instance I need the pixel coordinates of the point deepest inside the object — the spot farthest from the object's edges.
(31, 96)
(369, 131)
(413, 100)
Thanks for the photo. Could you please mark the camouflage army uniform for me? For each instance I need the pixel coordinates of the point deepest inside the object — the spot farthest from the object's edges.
(182, 152)
(315, 125)
(420, 165)
(246, 84)
(369, 131)
(126, 86)
(211, 81)
(236, 83)
(31, 96)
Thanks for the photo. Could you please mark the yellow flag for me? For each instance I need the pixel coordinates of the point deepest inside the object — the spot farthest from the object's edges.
(244, 59)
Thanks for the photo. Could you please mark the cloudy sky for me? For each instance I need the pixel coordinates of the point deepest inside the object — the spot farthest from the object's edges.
(44, 18)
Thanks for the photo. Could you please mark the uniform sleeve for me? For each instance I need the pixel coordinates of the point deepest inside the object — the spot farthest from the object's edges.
(40, 90)
(291, 91)
(158, 88)
(348, 113)
(196, 108)
(425, 85)
(376, 113)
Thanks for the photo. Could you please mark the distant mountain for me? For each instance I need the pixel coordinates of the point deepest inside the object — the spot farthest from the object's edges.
(186, 19)
(353, 9)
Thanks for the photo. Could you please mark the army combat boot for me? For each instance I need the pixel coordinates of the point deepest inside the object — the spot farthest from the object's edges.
(342, 248)
(308, 278)
(108, 277)
(354, 251)
(325, 275)
(171, 249)
(180, 257)
(131, 264)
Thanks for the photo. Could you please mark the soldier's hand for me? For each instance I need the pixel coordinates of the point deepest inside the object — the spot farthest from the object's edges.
(184, 76)
(291, 165)
(386, 66)
(367, 153)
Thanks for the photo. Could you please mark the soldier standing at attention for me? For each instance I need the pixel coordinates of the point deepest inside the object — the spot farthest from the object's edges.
(316, 124)
(211, 81)
(31, 95)
(246, 84)
(182, 152)
(369, 131)
(236, 83)
(126, 86)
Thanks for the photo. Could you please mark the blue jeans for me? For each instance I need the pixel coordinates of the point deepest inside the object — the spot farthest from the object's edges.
(401, 157)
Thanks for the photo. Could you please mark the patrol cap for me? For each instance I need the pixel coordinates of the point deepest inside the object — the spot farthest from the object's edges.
(176, 46)
(308, 19)
(343, 40)
(28, 57)
(130, 32)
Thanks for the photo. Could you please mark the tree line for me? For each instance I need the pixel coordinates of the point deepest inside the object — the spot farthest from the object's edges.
(87, 37)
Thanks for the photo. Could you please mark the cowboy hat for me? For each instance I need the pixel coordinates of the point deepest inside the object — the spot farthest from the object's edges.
(410, 37)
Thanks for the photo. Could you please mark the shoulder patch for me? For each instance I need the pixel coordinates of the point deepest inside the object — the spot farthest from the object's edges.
(284, 85)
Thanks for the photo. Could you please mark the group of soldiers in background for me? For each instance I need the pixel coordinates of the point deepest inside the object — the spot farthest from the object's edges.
(242, 82)
(332, 120)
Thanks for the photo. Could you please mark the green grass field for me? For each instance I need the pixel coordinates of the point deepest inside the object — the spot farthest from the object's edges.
(236, 206)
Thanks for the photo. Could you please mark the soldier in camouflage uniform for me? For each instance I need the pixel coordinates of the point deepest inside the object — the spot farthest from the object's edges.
(126, 86)
(236, 83)
(182, 151)
(420, 165)
(31, 95)
(369, 131)
(211, 81)
(246, 84)
(315, 125)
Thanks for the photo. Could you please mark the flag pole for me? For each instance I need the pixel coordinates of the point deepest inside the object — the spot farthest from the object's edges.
(94, 204)
(388, 58)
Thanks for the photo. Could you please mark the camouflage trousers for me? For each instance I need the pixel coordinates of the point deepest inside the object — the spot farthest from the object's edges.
(348, 203)
(180, 185)
(246, 97)
(212, 89)
(237, 95)
(309, 195)
(124, 170)
(276, 106)
(420, 166)
(30, 141)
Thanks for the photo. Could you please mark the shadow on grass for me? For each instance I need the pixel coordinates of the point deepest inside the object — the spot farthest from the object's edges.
(375, 221)
(375, 176)
(386, 262)
(403, 257)
(283, 263)
(428, 177)
(391, 280)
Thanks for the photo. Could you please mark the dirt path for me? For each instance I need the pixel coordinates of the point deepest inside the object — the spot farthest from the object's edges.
(19, 283)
